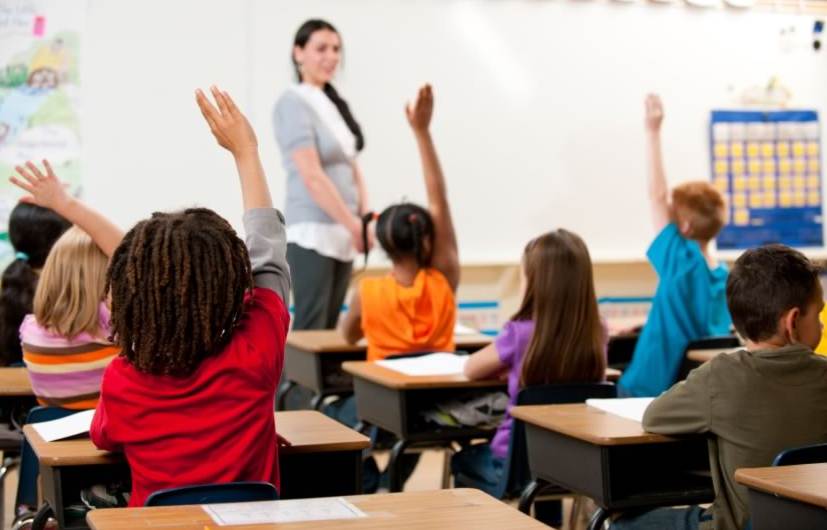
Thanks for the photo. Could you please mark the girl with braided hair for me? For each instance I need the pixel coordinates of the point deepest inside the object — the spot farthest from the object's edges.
(201, 320)
(413, 308)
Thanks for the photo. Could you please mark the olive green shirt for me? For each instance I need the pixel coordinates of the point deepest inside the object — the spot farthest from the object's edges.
(754, 405)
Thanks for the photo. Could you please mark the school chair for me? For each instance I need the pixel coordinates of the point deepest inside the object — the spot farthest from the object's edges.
(807, 454)
(214, 494)
(516, 478)
(721, 342)
(11, 440)
(30, 467)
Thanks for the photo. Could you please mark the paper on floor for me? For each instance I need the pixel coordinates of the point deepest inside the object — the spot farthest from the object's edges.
(629, 408)
(431, 364)
(274, 512)
(65, 427)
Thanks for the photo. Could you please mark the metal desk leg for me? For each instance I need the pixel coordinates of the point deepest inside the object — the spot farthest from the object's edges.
(529, 493)
(395, 480)
(598, 518)
(42, 516)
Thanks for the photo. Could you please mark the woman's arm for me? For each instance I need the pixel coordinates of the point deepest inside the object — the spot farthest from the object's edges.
(484, 364)
(445, 256)
(351, 325)
(48, 192)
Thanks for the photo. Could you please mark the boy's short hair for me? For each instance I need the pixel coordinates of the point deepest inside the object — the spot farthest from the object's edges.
(764, 284)
(702, 205)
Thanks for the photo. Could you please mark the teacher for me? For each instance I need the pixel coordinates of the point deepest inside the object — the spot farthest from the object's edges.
(319, 140)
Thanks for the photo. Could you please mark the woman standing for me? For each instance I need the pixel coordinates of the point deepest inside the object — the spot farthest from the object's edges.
(319, 140)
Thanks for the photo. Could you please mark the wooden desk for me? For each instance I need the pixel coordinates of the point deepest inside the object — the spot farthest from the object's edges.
(313, 359)
(457, 509)
(14, 382)
(786, 497)
(394, 401)
(702, 356)
(325, 459)
(613, 460)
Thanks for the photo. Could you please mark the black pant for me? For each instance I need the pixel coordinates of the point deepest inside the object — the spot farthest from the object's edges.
(319, 287)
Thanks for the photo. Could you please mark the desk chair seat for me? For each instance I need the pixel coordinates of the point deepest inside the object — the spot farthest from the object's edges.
(516, 476)
(214, 494)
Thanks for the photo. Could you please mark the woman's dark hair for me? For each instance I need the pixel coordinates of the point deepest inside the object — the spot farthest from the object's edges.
(406, 231)
(32, 231)
(302, 36)
(178, 283)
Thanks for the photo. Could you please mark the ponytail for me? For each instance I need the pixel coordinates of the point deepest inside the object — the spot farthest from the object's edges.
(418, 238)
(344, 110)
(19, 282)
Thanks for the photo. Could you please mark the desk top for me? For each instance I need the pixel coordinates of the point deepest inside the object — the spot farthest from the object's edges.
(589, 424)
(15, 382)
(331, 341)
(392, 379)
(308, 431)
(458, 509)
(701, 356)
(806, 483)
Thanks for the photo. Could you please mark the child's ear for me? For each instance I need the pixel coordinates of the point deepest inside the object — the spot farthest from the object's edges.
(686, 229)
(790, 325)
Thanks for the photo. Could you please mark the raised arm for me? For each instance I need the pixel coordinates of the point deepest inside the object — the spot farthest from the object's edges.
(47, 191)
(266, 237)
(445, 256)
(658, 190)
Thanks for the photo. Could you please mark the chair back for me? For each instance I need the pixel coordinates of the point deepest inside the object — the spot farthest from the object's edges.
(214, 494)
(807, 454)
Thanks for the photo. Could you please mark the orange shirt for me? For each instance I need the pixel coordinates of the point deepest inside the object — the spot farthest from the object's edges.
(398, 319)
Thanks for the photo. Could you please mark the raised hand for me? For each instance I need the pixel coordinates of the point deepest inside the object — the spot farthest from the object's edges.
(46, 190)
(419, 115)
(229, 126)
(654, 112)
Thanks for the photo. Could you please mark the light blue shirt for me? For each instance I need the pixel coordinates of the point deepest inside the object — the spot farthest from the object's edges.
(689, 304)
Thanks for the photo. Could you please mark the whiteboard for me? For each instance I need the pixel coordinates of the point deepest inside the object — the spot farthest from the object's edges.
(539, 104)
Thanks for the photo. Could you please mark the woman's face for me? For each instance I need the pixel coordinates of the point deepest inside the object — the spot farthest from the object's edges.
(319, 58)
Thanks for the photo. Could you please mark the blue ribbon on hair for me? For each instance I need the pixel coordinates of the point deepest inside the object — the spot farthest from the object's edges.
(21, 255)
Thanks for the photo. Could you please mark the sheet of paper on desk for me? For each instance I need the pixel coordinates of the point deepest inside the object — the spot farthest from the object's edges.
(431, 364)
(462, 329)
(629, 408)
(65, 427)
(274, 512)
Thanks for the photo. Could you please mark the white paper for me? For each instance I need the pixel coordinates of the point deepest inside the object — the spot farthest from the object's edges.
(462, 329)
(629, 408)
(275, 512)
(65, 427)
(431, 364)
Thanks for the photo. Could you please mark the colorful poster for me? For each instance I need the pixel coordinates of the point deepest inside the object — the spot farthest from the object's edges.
(768, 164)
(40, 94)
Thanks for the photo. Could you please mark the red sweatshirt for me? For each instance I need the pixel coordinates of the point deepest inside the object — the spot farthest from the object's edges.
(217, 425)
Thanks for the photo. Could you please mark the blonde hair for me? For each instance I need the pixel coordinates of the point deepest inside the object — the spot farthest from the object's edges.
(702, 205)
(71, 286)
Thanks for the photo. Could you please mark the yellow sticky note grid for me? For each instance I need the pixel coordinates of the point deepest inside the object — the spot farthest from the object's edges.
(721, 149)
(768, 149)
(737, 149)
(741, 217)
(799, 182)
(769, 199)
(785, 199)
(799, 165)
(769, 182)
(738, 166)
(784, 183)
(814, 198)
(784, 165)
(754, 166)
(813, 164)
(739, 200)
(756, 200)
(753, 149)
(769, 165)
(813, 182)
(799, 198)
(739, 183)
(812, 148)
(754, 183)
(798, 148)
(721, 167)
(722, 183)
(783, 148)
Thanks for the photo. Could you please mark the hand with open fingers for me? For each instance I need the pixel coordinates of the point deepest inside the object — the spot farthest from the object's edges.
(654, 112)
(419, 115)
(46, 190)
(229, 126)
(281, 441)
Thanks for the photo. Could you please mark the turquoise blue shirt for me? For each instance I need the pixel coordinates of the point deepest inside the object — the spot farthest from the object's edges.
(689, 304)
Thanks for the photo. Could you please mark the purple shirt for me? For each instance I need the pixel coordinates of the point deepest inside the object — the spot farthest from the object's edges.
(512, 344)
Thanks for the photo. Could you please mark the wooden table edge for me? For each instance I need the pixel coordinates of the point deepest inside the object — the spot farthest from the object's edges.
(354, 369)
(743, 476)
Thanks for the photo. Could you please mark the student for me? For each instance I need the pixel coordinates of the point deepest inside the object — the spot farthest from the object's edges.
(202, 323)
(569, 345)
(32, 232)
(759, 401)
(65, 342)
(689, 302)
(414, 307)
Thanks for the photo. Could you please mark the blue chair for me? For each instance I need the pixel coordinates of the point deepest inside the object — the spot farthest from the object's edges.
(807, 454)
(30, 466)
(722, 342)
(214, 494)
(516, 478)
